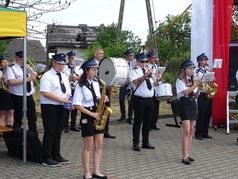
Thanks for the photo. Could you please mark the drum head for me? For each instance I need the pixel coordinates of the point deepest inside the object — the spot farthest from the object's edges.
(114, 71)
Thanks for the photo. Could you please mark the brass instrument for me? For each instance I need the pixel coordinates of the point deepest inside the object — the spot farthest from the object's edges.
(29, 68)
(71, 82)
(104, 110)
(3, 84)
(211, 89)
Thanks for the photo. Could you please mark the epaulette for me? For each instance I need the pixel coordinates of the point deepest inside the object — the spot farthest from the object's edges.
(135, 67)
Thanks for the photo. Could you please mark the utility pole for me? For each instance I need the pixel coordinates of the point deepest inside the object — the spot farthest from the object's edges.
(120, 19)
(151, 27)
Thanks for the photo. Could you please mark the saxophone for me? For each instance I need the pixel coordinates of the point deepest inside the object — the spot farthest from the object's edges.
(3, 84)
(104, 110)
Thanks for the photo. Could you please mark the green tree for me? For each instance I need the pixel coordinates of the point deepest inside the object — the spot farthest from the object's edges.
(234, 27)
(3, 44)
(106, 39)
(174, 41)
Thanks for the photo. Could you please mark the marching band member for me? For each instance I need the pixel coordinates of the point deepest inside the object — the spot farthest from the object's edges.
(6, 105)
(152, 57)
(69, 71)
(125, 91)
(55, 91)
(87, 92)
(14, 75)
(186, 92)
(98, 56)
(203, 102)
(143, 103)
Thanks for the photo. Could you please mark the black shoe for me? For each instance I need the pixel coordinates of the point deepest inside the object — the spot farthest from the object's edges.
(66, 130)
(136, 147)
(148, 146)
(198, 137)
(60, 159)
(109, 136)
(50, 163)
(74, 129)
(155, 128)
(207, 136)
(191, 159)
(186, 161)
(101, 177)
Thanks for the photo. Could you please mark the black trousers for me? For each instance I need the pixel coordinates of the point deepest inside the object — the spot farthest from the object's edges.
(156, 112)
(143, 112)
(18, 112)
(122, 96)
(73, 116)
(204, 115)
(53, 121)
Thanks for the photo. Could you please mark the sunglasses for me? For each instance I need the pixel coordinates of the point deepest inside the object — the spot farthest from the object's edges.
(143, 61)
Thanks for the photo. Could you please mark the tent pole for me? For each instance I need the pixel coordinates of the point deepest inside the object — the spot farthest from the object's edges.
(24, 120)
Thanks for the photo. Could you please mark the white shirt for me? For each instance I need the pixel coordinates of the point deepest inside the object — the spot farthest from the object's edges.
(67, 70)
(83, 96)
(78, 71)
(180, 87)
(132, 63)
(142, 90)
(16, 72)
(199, 73)
(50, 83)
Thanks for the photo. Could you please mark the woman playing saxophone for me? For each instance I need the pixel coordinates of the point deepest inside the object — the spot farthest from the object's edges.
(6, 105)
(85, 99)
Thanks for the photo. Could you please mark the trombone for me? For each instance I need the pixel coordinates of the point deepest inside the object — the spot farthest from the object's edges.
(29, 68)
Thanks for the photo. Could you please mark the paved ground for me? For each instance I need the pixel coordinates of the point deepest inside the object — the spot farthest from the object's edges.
(215, 158)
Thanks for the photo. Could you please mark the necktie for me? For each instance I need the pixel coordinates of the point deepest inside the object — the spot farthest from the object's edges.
(28, 84)
(147, 81)
(93, 93)
(63, 89)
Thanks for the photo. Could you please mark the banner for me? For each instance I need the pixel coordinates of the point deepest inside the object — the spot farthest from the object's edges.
(210, 34)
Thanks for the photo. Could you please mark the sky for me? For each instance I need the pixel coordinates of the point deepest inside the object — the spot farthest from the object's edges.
(96, 12)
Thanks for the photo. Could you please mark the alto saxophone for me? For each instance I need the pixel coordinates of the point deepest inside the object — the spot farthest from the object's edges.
(3, 84)
(104, 110)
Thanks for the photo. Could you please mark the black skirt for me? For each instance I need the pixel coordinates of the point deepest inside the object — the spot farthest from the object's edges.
(188, 108)
(5, 100)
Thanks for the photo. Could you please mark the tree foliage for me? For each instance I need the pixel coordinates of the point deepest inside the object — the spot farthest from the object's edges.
(174, 41)
(106, 39)
(234, 29)
(3, 44)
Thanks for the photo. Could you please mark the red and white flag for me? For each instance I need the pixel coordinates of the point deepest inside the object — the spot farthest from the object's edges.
(211, 27)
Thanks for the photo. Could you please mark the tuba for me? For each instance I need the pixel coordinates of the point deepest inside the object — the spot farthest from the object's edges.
(104, 110)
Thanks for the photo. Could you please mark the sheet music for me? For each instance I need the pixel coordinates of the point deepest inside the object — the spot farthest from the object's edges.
(208, 77)
(78, 61)
(39, 67)
(160, 70)
(217, 63)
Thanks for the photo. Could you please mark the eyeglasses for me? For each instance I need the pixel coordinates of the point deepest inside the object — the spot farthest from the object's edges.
(143, 61)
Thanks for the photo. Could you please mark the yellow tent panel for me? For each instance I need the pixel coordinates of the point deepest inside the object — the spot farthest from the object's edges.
(13, 23)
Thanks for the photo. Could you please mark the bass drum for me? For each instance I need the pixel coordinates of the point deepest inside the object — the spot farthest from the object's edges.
(164, 91)
(114, 71)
